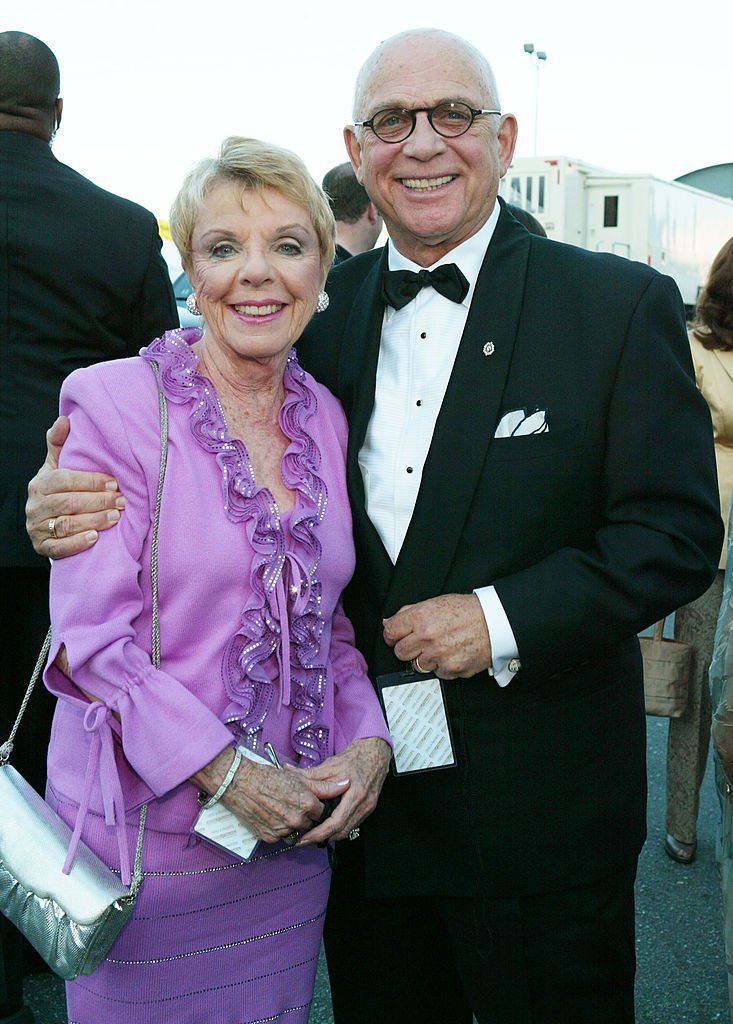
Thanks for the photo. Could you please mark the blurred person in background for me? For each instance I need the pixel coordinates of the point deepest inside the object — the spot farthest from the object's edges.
(721, 687)
(358, 222)
(81, 279)
(711, 343)
(527, 219)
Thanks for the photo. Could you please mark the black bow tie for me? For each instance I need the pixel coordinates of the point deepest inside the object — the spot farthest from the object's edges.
(401, 286)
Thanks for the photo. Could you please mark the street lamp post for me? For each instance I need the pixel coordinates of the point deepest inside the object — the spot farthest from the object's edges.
(538, 57)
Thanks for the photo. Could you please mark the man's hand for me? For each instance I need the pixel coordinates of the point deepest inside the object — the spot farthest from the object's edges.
(447, 635)
(364, 763)
(77, 504)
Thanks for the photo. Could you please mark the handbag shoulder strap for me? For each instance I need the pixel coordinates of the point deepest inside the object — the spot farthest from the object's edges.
(155, 627)
(137, 872)
(7, 747)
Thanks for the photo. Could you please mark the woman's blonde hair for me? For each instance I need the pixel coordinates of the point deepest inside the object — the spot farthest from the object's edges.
(256, 165)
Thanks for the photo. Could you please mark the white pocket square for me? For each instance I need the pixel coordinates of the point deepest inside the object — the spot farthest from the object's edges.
(519, 422)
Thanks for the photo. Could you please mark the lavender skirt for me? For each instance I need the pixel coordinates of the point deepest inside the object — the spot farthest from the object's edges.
(211, 939)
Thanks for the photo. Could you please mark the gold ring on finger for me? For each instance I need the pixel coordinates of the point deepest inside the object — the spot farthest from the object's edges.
(416, 664)
(52, 528)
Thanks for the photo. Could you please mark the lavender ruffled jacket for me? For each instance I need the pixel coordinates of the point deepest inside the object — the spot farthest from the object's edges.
(255, 645)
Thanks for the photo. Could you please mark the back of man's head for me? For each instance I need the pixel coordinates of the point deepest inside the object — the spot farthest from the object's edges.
(347, 197)
(527, 219)
(29, 85)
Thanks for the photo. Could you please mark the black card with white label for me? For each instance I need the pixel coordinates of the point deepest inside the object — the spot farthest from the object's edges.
(414, 706)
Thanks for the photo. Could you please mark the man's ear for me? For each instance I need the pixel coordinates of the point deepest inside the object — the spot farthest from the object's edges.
(372, 213)
(507, 141)
(58, 109)
(353, 148)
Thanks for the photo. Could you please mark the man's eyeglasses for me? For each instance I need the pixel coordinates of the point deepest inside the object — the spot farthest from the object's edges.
(449, 119)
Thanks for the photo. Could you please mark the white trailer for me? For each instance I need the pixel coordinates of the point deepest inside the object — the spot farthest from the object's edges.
(672, 227)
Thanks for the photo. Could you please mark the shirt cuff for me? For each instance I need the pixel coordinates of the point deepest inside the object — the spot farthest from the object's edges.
(505, 661)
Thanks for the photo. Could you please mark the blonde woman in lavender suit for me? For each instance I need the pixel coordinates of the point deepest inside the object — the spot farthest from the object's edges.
(255, 548)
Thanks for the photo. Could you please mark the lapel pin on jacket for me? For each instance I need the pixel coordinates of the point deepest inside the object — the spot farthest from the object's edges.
(489, 348)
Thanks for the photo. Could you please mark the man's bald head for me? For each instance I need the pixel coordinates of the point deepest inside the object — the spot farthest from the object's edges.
(434, 190)
(29, 85)
(438, 41)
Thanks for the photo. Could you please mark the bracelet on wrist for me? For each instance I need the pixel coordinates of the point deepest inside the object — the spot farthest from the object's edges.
(226, 781)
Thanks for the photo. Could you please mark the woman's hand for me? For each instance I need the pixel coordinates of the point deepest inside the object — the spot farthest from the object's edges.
(274, 803)
(365, 763)
(78, 504)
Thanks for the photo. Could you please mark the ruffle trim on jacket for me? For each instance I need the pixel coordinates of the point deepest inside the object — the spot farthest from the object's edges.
(281, 629)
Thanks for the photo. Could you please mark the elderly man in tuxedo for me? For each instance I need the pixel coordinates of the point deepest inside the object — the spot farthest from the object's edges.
(532, 481)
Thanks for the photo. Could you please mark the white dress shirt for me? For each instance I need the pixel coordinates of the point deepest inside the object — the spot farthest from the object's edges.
(418, 348)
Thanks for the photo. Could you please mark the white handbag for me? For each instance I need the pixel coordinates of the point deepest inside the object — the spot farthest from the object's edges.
(71, 919)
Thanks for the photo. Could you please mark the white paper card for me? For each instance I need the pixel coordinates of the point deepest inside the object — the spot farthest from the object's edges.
(223, 828)
(417, 720)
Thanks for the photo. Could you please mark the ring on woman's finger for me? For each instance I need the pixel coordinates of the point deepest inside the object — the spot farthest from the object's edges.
(52, 528)
(292, 839)
(416, 664)
(354, 834)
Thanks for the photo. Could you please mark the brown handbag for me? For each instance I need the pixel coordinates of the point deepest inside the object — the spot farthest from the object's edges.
(667, 665)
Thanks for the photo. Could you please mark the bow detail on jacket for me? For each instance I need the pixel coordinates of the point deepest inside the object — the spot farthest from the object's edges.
(291, 596)
(99, 720)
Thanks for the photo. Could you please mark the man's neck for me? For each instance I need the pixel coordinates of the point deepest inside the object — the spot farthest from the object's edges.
(349, 239)
(27, 125)
(425, 254)
(469, 254)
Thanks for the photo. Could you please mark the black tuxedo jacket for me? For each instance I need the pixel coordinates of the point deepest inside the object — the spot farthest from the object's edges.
(589, 532)
(81, 279)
